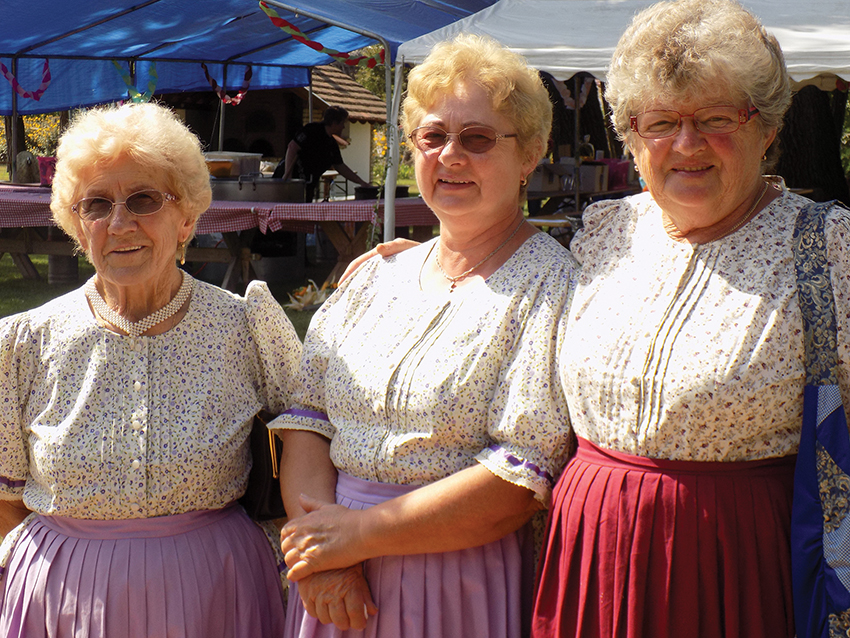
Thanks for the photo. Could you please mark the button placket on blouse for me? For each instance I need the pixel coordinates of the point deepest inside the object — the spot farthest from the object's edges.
(400, 380)
(138, 418)
(693, 281)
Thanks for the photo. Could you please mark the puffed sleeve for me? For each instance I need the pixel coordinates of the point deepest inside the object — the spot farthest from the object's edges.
(837, 231)
(529, 420)
(326, 330)
(14, 361)
(277, 344)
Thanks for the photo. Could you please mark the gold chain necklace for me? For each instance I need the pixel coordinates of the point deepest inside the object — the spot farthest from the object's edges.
(466, 273)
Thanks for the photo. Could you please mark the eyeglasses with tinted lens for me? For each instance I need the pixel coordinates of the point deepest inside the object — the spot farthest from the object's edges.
(146, 202)
(475, 139)
(710, 120)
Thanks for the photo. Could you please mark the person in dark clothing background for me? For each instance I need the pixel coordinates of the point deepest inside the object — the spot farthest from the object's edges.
(314, 150)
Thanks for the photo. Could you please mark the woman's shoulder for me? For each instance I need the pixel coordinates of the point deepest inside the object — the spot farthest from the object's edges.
(62, 315)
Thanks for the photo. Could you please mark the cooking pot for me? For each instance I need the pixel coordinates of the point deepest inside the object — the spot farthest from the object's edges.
(372, 192)
(256, 188)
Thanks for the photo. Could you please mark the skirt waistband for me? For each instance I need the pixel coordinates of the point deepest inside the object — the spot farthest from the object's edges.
(153, 527)
(370, 492)
(591, 453)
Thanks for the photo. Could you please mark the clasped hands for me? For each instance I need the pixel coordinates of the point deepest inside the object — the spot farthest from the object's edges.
(320, 549)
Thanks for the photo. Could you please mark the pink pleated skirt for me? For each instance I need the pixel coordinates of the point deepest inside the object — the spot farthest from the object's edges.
(195, 575)
(468, 593)
(648, 548)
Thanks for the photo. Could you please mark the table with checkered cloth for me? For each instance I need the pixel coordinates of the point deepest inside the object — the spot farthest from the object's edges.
(23, 206)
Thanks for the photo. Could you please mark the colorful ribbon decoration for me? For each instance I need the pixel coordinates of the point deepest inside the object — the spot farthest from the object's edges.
(345, 58)
(236, 99)
(35, 95)
(135, 96)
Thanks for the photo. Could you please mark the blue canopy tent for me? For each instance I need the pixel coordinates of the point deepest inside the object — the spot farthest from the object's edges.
(82, 38)
(82, 41)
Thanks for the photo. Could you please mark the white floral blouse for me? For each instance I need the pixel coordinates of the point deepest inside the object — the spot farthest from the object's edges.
(96, 425)
(418, 386)
(694, 352)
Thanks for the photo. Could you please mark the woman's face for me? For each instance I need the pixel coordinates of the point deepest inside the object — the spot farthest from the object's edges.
(461, 185)
(699, 179)
(128, 250)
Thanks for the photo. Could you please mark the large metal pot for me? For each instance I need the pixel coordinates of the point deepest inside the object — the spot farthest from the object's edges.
(256, 188)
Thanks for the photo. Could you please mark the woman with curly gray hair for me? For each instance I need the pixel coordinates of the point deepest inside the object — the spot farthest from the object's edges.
(127, 406)
(685, 371)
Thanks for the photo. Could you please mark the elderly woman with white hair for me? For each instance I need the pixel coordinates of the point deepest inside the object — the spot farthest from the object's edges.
(126, 410)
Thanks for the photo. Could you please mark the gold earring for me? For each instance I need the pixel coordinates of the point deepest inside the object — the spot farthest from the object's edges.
(181, 252)
(764, 157)
(523, 181)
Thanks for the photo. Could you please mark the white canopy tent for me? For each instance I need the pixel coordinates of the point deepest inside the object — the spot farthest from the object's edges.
(563, 37)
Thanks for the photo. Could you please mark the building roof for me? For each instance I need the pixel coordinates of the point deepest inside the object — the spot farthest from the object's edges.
(332, 86)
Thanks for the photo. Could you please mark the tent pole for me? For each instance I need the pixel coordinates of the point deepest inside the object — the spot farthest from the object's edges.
(393, 153)
(13, 147)
(221, 118)
(310, 96)
(576, 134)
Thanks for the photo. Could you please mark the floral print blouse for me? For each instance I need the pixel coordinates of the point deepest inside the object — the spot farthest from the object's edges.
(96, 425)
(417, 386)
(694, 352)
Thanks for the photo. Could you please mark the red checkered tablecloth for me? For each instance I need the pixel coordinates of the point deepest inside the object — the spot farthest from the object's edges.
(410, 211)
(22, 206)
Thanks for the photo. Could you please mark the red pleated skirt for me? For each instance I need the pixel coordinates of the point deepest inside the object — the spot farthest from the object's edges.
(649, 548)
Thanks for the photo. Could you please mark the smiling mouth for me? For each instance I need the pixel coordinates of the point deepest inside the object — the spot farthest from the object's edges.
(691, 169)
(127, 249)
(454, 181)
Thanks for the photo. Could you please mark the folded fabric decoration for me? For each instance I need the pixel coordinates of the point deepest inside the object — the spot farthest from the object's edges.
(221, 91)
(295, 32)
(35, 95)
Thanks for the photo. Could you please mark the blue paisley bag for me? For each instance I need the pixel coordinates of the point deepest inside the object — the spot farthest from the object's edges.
(820, 520)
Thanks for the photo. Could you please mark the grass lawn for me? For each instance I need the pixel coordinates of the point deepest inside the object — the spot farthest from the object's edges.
(18, 294)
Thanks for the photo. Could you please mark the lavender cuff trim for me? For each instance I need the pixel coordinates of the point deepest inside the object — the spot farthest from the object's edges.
(10, 483)
(308, 413)
(516, 462)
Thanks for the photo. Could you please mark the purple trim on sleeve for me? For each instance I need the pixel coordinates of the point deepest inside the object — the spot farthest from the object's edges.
(510, 458)
(308, 413)
(10, 483)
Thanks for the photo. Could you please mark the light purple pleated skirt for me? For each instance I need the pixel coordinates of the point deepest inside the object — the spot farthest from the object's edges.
(194, 575)
(483, 591)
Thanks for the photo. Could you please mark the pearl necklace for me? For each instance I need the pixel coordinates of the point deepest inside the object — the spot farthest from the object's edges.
(466, 273)
(749, 214)
(138, 328)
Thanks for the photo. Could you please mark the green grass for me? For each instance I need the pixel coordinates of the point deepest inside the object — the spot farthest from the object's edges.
(18, 294)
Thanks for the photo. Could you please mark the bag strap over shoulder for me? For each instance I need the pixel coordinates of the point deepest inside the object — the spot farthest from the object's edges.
(814, 288)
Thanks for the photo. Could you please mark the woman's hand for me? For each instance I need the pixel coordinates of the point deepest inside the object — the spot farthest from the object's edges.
(12, 514)
(327, 537)
(338, 596)
(386, 249)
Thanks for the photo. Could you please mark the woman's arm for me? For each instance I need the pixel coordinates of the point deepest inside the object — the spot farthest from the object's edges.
(12, 513)
(339, 596)
(467, 509)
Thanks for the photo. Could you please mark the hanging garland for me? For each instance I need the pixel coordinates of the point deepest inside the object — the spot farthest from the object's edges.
(236, 99)
(135, 96)
(345, 58)
(35, 95)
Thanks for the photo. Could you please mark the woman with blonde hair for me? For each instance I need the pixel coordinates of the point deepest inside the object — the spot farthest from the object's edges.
(430, 411)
